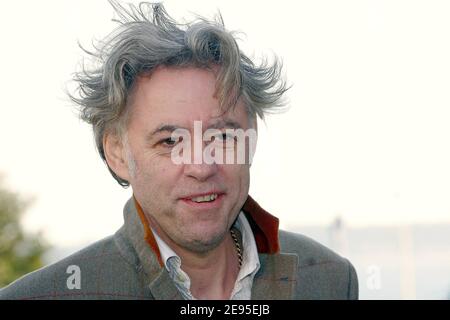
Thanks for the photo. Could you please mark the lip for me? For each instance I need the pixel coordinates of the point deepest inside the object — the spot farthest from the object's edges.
(194, 195)
(204, 205)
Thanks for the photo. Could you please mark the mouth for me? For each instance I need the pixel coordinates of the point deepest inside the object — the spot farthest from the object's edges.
(207, 201)
(206, 198)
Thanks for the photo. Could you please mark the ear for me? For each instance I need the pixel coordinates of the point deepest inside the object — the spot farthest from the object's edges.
(115, 155)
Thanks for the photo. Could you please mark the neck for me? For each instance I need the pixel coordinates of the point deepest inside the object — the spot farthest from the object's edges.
(212, 274)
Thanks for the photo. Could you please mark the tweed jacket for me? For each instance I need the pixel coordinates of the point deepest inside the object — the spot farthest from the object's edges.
(127, 265)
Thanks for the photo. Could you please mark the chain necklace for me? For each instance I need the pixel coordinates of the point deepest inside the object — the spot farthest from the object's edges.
(238, 246)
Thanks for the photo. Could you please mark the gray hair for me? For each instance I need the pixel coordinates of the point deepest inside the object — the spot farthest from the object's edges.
(147, 37)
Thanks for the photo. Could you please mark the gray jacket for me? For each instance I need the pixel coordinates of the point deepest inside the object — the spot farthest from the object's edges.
(125, 266)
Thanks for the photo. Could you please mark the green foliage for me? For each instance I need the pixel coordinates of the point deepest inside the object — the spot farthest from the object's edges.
(20, 253)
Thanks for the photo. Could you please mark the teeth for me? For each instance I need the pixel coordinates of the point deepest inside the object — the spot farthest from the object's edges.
(207, 198)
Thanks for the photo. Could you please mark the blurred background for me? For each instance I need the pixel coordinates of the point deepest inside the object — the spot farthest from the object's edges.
(359, 162)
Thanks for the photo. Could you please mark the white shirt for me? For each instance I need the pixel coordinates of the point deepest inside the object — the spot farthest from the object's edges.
(250, 264)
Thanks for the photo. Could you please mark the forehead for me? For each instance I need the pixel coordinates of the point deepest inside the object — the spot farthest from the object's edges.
(179, 96)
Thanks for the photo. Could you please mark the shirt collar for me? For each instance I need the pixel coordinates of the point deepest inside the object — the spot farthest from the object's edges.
(164, 249)
(244, 281)
(250, 251)
(250, 259)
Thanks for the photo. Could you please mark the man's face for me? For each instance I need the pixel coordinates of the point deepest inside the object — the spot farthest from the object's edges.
(175, 98)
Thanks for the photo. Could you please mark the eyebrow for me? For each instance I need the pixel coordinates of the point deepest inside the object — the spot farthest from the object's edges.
(221, 123)
(163, 128)
(224, 124)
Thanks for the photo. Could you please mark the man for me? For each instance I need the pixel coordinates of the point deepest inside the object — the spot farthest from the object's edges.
(191, 230)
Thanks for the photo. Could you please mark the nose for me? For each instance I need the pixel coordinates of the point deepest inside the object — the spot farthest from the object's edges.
(200, 172)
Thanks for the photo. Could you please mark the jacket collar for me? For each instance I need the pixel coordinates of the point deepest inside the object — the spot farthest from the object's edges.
(264, 227)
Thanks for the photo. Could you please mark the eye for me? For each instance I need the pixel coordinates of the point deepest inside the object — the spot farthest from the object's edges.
(169, 142)
(224, 137)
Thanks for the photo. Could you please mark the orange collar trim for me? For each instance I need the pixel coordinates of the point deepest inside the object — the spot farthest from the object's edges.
(148, 234)
(264, 226)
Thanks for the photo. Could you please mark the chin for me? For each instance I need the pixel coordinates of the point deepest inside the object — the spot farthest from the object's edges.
(203, 241)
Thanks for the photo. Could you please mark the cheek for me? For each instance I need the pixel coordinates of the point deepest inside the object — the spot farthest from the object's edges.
(238, 177)
(245, 181)
(155, 174)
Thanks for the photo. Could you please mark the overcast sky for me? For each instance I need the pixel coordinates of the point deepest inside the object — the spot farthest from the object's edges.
(366, 137)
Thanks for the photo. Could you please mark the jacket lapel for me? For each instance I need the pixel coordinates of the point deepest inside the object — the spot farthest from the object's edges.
(156, 277)
(163, 288)
(277, 277)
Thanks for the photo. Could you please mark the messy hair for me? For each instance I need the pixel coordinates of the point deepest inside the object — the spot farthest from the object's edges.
(147, 37)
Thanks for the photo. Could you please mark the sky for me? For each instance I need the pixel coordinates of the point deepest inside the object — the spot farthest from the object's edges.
(365, 138)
